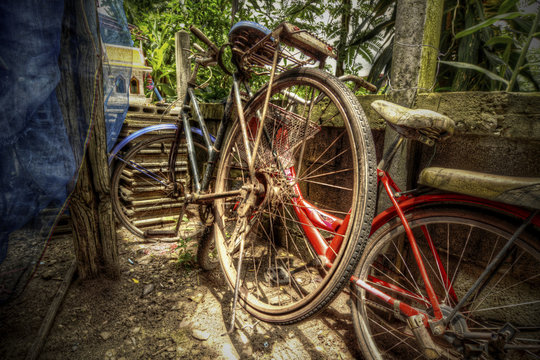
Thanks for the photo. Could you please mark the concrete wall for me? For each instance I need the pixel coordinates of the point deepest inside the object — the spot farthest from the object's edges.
(496, 132)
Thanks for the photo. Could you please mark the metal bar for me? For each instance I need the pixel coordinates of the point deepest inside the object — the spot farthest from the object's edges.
(240, 112)
(403, 308)
(318, 243)
(491, 267)
(310, 108)
(395, 288)
(390, 153)
(448, 286)
(265, 108)
(416, 251)
(221, 195)
(200, 119)
(215, 152)
(191, 152)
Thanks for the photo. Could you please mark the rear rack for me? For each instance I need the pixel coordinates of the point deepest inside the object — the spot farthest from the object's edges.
(288, 40)
(308, 43)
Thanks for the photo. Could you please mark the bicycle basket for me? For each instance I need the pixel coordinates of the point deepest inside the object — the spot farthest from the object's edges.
(286, 130)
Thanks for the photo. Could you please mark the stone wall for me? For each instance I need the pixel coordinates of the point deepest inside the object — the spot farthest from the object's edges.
(496, 132)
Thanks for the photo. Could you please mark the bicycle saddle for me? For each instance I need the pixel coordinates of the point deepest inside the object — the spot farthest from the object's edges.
(423, 125)
(245, 34)
(520, 191)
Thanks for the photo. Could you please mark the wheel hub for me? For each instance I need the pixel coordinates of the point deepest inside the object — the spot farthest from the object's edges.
(457, 328)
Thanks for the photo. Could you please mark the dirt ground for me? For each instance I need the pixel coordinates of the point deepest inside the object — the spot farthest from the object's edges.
(162, 307)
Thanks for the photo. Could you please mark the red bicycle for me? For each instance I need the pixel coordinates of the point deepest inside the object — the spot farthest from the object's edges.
(451, 270)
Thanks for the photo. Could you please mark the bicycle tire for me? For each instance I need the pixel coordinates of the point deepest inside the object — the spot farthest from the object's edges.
(288, 283)
(466, 238)
(140, 189)
(207, 257)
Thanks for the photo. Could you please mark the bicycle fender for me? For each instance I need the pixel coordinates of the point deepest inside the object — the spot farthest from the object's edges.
(449, 199)
(146, 130)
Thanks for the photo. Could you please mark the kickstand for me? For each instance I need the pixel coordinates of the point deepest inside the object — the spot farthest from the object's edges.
(238, 270)
(180, 217)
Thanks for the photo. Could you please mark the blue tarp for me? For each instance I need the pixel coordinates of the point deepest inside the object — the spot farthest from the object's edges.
(38, 165)
(114, 30)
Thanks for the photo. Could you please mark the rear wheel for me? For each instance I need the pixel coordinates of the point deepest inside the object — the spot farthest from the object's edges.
(466, 242)
(143, 197)
(316, 153)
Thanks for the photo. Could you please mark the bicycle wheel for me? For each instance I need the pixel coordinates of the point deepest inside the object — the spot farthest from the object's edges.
(466, 240)
(283, 280)
(207, 257)
(143, 198)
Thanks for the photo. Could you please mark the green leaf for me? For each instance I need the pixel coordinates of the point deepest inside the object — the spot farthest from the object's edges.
(488, 22)
(505, 39)
(507, 5)
(467, 66)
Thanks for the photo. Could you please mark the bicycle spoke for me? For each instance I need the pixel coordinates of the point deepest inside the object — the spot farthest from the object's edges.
(285, 277)
(469, 239)
(326, 174)
(330, 146)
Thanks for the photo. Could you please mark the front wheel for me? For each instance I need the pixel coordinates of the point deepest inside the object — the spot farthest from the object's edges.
(314, 188)
(143, 197)
(466, 241)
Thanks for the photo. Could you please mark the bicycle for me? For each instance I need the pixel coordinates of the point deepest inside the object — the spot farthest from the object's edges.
(451, 270)
(294, 183)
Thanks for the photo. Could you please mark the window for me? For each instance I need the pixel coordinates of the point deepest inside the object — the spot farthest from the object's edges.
(134, 86)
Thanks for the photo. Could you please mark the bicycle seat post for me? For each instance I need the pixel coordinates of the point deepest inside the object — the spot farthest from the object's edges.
(389, 154)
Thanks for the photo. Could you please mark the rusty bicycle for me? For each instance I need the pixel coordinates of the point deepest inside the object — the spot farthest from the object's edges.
(289, 177)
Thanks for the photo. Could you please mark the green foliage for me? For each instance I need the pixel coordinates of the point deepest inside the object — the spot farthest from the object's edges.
(467, 66)
(487, 47)
(487, 23)
(158, 21)
(186, 258)
(484, 43)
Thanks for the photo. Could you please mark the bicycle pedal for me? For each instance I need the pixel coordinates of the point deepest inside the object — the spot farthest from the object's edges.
(428, 347)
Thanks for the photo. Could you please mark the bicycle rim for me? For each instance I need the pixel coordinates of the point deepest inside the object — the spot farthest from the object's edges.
(466, 241)
(142, 195)
(282, 278)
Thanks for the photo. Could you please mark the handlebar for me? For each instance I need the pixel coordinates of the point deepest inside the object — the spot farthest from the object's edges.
(199, 34)
(358, 82)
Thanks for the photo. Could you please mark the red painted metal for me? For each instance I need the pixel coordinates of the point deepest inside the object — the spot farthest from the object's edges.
(416, 252)
(319, 218)
(403, 308)
(335, 244)
(448, 286)
(317, 241)
(412, 203)
(407, 293)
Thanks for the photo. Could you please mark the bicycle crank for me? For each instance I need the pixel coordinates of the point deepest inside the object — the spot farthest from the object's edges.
(424, 340)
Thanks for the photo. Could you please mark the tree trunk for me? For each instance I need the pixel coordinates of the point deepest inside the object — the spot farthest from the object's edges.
(80, 95)
(343, 34)
(418, 25)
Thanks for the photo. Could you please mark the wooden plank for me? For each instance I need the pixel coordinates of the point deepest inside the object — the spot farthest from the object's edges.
(35, 350)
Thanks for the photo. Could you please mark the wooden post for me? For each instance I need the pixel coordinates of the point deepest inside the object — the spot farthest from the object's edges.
(80, 95)
(183, 71)
(414, 64)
